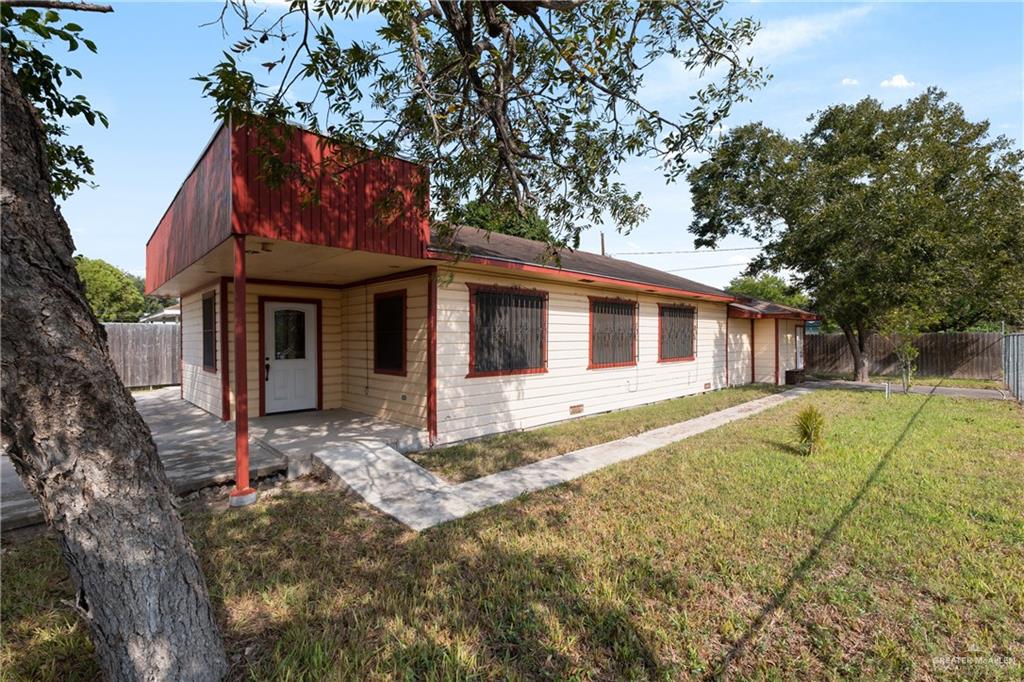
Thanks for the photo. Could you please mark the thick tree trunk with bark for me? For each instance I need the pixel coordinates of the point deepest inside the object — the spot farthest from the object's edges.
(81, 448)
(857, 343)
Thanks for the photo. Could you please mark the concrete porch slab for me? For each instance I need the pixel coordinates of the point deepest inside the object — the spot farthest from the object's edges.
(298, 435)
(197, 450)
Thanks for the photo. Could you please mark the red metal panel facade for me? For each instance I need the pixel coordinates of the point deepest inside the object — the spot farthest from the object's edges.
(331, 197)
(198, 219)
(366, 204)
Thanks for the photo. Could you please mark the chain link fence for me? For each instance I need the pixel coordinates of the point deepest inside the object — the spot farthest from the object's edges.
(1013, 364)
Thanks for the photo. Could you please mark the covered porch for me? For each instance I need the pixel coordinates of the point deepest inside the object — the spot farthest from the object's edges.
(320, 307)
(197, 449)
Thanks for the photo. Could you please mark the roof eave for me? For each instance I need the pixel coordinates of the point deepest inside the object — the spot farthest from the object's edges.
(514, 264)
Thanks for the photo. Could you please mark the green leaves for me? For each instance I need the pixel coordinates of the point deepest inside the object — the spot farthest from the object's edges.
(41, 79)
(519, 105)
(877, 210)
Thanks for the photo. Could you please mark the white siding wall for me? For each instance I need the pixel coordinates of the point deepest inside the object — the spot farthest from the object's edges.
(787, 347)
(395, 398)
(739, 351)
(468, 408)
(199, 386)
(764, 351)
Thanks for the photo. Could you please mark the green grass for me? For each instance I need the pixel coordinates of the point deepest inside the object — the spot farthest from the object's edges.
(951, 382)
(895, 548)
(473, 459)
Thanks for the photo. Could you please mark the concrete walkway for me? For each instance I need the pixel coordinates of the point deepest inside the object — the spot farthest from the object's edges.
(954, 391)
(406, 491)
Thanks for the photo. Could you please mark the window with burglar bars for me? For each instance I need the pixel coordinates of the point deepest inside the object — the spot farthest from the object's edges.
(508, 330)
(612, 332)
(389, 333)
(676, 331)
(210, 332)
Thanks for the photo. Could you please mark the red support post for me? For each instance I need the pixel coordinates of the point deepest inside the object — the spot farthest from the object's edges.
(242, 495)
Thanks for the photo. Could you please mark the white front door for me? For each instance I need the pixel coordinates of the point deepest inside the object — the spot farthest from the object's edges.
(290, 361)
(799, 348)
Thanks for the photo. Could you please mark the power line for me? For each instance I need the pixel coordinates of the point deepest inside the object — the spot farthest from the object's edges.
(665, 253)
(711, 267)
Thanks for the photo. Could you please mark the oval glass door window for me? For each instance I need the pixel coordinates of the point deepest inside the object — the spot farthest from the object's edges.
(289, 335)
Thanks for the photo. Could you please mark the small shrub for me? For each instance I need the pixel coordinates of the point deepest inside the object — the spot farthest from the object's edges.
(810, 429)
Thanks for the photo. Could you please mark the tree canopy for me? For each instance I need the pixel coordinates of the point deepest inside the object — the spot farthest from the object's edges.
(111, 292)
(768, 287)
(877, 210)
(504, 219)
(532, 104)
(41, 79)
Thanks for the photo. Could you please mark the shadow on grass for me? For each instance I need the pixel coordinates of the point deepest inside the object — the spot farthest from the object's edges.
(778, 601)
(787, 448)
(316, 594)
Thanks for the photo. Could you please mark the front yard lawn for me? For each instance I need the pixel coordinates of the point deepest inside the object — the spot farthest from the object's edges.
(473, 459)
(895, 552)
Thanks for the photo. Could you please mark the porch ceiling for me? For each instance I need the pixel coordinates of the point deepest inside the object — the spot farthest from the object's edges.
(275, 259)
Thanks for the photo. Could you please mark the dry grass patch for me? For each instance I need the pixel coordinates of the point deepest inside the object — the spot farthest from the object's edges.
(897, 546)
(473, 459)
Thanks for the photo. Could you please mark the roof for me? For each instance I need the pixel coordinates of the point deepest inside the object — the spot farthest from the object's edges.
(477, 243)
(745, 306)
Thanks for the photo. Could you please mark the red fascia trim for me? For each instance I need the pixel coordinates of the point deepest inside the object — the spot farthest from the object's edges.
(573, 275)
(397, 293)
(590, 334)
(432, 354)
(292, 283)
(685, 358)
(776, 351)
(405, 274)
(473, 289)
(391, 277)
(318, 304)
(225, 377)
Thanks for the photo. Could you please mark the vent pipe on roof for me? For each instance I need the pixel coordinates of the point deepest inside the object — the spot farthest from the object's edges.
(602, 243)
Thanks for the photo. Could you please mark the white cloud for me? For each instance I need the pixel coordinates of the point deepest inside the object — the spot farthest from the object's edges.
(779, 38)
(898, 81)
(776, 39)
(850, 81)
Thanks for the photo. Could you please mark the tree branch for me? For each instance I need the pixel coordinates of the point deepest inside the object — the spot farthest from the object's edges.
(58, 4)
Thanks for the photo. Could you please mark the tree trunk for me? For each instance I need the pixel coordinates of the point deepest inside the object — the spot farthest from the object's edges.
(80, 447)
(857, 344)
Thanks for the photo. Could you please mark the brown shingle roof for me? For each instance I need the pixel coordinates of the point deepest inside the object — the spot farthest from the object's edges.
(472, 241)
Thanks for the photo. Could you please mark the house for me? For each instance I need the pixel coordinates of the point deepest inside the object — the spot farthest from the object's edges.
(352, 302)
(169, 315)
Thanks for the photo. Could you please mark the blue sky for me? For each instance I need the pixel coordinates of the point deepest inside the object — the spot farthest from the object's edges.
(818, 54)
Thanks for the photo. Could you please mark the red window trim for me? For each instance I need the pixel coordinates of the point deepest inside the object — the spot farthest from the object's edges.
(590, 333)
(397, 293)
(473, 289)
(212, 369)
(685, 358)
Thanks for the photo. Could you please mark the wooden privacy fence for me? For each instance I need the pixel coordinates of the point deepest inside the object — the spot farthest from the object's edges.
(145, 354)
(968, 355)
(1013, 364)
